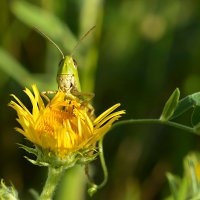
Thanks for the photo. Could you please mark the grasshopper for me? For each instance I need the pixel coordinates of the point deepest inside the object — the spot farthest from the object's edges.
(69, 83)
(67, 75)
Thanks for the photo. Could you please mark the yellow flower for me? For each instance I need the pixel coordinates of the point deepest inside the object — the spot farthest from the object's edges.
(62, 126)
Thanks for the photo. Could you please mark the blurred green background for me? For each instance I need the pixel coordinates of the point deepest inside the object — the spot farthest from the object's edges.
(139, 52)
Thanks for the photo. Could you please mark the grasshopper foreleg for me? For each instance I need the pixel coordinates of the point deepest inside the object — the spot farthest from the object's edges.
(45, 93)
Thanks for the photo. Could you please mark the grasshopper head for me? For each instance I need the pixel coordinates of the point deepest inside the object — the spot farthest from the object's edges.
(67, 76)
(67, 66)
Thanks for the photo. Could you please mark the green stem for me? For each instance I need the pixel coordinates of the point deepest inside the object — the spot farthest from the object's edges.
(155, 121)
(54, 175)
(94, 187)
(103, 164)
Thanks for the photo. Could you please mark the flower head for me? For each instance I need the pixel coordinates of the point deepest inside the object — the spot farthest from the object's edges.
(62, 126)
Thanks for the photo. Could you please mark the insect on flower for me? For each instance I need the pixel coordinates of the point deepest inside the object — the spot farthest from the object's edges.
(64, 130)
(66, 123)
(63, 126)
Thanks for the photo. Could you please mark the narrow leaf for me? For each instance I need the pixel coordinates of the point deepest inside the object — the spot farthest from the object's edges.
(191, 165)
(186, 103)
(10, 66)
(34, 16)
(170, 105)
(174, 183)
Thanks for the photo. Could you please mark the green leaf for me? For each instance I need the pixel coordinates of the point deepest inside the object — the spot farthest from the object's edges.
(174, 183)
(15, 70)
(187, 187)
(34, 193)
(186, 103)
(191, 163)
(8, 192)
(34, 16)
(195, 119)
(170, 105)
(182, 193)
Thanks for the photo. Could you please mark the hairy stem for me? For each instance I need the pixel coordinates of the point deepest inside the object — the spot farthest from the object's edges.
(54, 175)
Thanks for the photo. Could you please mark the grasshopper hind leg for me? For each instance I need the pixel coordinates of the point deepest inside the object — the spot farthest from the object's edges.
(88, 95)
(85, 98)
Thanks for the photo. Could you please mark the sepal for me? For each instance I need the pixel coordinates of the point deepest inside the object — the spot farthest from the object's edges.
(47, 158)
(87, 156)
(187, 187)
(8, 193)
(28, 149)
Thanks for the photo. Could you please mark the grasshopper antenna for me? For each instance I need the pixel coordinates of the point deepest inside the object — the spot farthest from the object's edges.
(50, 40)
(82, 38)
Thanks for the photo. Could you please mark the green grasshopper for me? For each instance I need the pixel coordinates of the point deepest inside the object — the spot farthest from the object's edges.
(67, 75)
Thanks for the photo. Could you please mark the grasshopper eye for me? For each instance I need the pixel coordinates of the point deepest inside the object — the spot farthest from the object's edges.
(61, 62)
(75, 63)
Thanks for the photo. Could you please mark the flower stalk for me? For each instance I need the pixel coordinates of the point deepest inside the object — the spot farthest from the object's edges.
(54, 175)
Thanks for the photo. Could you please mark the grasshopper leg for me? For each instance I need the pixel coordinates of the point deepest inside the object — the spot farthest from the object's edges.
(45, 93)
(89, 95)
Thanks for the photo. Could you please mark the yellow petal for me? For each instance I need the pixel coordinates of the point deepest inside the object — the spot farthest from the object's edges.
(104, 114)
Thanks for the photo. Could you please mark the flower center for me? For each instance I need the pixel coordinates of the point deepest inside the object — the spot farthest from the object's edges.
(51, 120)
